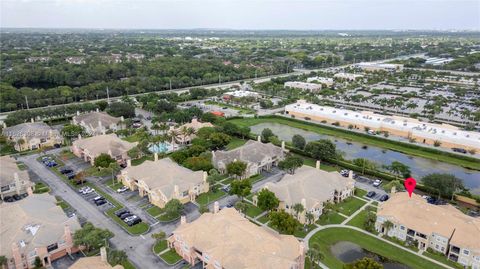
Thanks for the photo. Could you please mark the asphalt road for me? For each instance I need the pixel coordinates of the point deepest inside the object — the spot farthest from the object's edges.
(138, 248)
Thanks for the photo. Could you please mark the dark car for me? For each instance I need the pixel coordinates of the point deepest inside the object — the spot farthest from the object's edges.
(370, 194)
(134, 222)
(384, 198)
(70, 175)
(126, 215)
(8, 199)
(121, 211)
(17, 197)
(100, 202)
(65, 170)
(460, 150)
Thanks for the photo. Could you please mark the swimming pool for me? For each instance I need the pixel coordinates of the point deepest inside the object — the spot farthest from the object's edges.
(161, 147)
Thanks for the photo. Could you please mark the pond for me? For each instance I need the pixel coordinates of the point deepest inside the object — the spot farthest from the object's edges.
(418, 165)
(348, 252)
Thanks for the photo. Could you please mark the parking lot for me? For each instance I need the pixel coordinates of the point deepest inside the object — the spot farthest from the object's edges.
(367, 184)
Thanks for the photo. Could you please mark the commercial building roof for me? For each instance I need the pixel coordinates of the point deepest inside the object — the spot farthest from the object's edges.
(303, 85)
(314, 185)
(99, 144)
(8, 167)
(35, 221)
(164, 175)
(441, 132)
(236, 243)
(30, 130)
(242, 93)
(415, 213)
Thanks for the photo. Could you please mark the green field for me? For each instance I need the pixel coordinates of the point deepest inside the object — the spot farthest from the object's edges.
(349, 206)
(160, 246)
(170, 257)
(253, 211)
(235, 143)
(209, 197)
(328, 237)
(359, 220)
(330, 218)
(154, 211)
(349, 135)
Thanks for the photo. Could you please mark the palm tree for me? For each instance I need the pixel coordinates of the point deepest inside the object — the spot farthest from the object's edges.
(21, 142)
(314, 254)
(327, 208)
(155, 127)
(309, 216)
(173, 135)
(163, 127)
(387, 225)
(298, 208)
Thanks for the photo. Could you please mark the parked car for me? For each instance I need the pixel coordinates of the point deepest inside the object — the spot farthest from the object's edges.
(132, 217)
(121, 211)
(98, 198)
(100, 202)
(126, 215)
(122, 189)
(226, 189)
(65, 170)
(344, 173)
(70, 175)
(134, 222)
(51, 163)
(384, 198)
(16, 197)
(8, 199)
(88, 190)
(377, 182)
(460, 150)
(371, 194)
(83, 189)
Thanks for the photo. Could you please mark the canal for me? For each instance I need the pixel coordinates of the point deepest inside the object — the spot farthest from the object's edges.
(418, 165)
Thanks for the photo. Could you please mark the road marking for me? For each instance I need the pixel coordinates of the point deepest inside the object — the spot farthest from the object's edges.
(143, 237)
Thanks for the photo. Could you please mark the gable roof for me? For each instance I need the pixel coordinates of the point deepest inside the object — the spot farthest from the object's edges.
(99, 144)
(36, 220)
(163, 175)
(8, 167)
(30, 130)
(236, 243)
(92, 119)
(314, 185)
(252, 152)
(417, 214)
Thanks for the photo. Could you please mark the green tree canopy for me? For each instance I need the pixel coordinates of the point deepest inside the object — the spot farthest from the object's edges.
(365, 263)
(290, 164)
(298, 141)
(103, 160)
(173, 208)
(241, 188)
(283, 222)
(266, 135)
(91, 237)
(323, 149)
(266, 200)
(236, 168)
(445, 184)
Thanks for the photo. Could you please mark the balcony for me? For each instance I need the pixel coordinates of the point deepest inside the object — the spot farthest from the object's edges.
(411, 232)
(455, 250)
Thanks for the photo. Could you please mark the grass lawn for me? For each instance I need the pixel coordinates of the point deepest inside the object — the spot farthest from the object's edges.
(227, 181)
(361, 139)
(253, 211)
(64, 205)
(330, 218)
(171, 257)
(360, 192)
(263, 219)
(160, 246)
(154, 211)
(66, 155)
(239, 109)
(139, 161)
(312, 162)
(167, 218)
(132, 138)
(441, 258)
(235, 143)
(375, 203)
(115, 186)
(209, 197)
(21, 166)
(349, 206)
(41, 187)
(328, 237)
(97, 172)
(302, 231)
(255, 178)
(128, 265)
(359, 220)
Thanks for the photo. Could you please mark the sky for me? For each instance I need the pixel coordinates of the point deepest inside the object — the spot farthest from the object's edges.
(242, 14)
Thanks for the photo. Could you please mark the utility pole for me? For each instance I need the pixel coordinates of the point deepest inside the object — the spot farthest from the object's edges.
(108, 96)
(26, 101)
(219, 79)
(170, 79)
(255, 73)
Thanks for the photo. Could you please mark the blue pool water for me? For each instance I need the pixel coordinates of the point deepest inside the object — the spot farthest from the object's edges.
(160, 148)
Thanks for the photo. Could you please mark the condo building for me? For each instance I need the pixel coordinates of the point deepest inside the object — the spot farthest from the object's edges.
(257, 155)
(441, 228)
(163, 180)
(444, 135)
(97, 123)
(312, 188)
(32, 135)
(95, 262)
(35, 227)
(195, 125)
(312, 87)
(225, 240)
(322, 80)
(12, 179)
(91, 147)
(347, 76)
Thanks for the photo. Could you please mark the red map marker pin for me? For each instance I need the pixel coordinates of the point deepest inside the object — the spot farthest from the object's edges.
(410, 184)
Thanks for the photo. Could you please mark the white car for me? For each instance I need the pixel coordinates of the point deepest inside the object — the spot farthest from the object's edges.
(122, 189)
(88, 190)
(377, 183)
(130, 218)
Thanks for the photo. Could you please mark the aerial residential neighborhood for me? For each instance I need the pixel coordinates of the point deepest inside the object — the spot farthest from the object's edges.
(240, 134)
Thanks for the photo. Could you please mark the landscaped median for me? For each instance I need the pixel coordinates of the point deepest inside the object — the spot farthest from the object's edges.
(137, 229)
(328, 237)
(169, 256)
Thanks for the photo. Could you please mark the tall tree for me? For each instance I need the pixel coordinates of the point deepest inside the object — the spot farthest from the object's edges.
(266, 200)
(323, 149)
(91, 237)
(173, 208)
(290, 164)
(445, 184)
(298, 141)
(241, 188)
(237, 168)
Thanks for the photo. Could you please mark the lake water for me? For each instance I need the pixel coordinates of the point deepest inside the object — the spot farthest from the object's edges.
(419, 166)
(348, 252)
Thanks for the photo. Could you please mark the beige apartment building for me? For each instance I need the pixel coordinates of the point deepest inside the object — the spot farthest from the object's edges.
(32, 135)
(226, 240)
(163, 180)
(312, 188)
(95, 262)
(442, 228)
(91, 147)
(421, 132)
(97, 123)
(257, 155)
(12, 179)
(35, 227)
